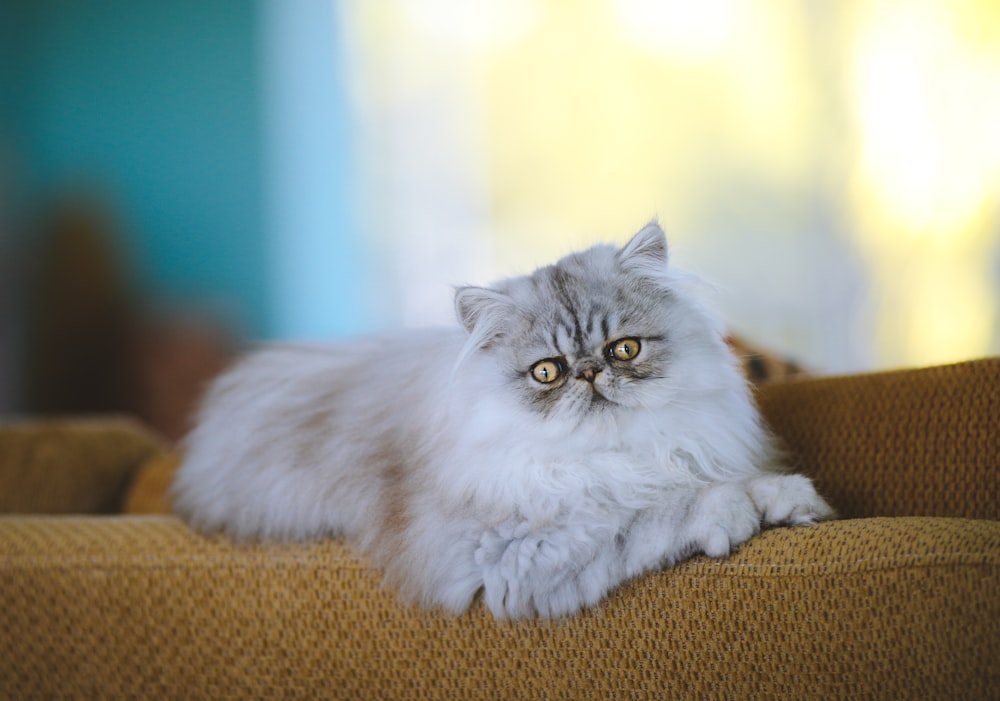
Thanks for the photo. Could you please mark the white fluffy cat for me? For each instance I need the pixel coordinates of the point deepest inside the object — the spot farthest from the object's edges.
(584, 425)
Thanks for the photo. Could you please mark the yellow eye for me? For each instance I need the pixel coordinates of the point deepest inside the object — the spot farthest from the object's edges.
(546, 371)
(624, 349)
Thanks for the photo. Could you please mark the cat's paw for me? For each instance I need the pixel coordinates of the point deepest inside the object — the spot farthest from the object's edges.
(506, 558)
(552, 572)
(788, 500)
(725, 517)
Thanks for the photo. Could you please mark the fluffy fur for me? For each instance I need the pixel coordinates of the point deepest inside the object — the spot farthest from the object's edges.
(585, 424)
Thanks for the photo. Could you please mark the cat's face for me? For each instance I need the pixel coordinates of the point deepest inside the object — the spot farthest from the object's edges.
(597, 333)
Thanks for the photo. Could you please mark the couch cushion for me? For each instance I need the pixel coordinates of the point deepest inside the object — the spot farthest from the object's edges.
(70, 466)
(922, 442)
(141, 606)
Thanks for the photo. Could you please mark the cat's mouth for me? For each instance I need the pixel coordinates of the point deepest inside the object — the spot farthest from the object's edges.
(598, 399)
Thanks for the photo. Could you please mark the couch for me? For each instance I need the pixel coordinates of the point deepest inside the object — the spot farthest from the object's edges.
(104, 598)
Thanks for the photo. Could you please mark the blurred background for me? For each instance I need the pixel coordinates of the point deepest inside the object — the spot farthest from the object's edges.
(178, 179)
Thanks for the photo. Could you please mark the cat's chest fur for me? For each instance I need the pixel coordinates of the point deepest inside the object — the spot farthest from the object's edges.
(502, 459)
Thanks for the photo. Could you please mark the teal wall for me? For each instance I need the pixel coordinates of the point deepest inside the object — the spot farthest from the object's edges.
(163, 106)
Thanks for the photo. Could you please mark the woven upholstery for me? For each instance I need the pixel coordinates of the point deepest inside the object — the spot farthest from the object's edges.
(905, 443)
(60, 467)
(143, 607)
(891, 607)
(149, 492)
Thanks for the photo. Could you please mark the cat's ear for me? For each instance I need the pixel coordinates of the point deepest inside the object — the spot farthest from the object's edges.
(483, 312)
(486, 314)
(647, 250)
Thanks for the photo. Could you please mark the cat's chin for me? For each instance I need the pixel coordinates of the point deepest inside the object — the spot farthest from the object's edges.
(599, 401)
(593, 404)
(599, 412)
(622, 401)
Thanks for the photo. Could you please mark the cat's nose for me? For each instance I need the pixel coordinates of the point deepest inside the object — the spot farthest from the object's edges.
(588, 373)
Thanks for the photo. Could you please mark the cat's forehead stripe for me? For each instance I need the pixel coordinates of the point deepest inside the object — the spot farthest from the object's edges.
(571, 328)
(567, 334)
(579, 310)
(561, 287)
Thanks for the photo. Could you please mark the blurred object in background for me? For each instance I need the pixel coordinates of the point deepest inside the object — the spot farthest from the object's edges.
(81, 316)
(92, 344)
(175, 357)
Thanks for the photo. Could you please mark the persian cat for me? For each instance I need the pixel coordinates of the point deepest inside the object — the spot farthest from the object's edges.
(584, 424)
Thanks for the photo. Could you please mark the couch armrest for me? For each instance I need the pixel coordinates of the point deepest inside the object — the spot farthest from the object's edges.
(64, 466)
(144, 607)
(920, 442)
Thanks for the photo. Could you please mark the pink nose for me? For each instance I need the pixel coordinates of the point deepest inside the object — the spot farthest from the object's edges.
(587, 374)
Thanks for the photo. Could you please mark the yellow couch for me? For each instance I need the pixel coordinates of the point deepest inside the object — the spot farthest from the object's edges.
(900, 600)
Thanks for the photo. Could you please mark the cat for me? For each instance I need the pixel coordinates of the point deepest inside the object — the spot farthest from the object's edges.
(583, 425)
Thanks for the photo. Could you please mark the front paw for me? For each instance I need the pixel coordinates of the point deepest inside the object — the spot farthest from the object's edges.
(506, 556)
(551, 573)
(789, 500)
(725, 517)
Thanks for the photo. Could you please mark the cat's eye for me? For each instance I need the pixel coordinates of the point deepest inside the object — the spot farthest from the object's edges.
(624, 349)
(546, 371)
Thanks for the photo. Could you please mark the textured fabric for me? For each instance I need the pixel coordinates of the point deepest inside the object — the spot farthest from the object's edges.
(62, 467)
(920, 442)
(149, 492)
(890, 608)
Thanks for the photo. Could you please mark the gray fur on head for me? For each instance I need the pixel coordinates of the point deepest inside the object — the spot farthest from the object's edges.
(570, 312)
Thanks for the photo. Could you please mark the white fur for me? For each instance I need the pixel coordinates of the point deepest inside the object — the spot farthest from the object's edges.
(418, 446)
